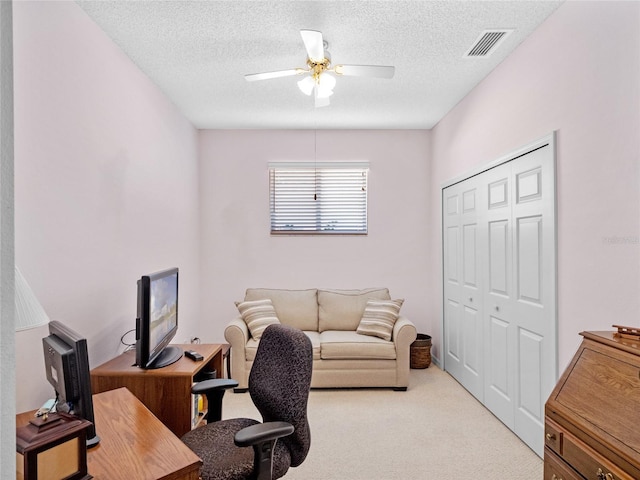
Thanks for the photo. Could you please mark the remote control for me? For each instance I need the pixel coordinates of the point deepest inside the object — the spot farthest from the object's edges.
(195, 356)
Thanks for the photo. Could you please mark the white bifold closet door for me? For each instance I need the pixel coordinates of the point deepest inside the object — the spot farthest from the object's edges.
(499, 266)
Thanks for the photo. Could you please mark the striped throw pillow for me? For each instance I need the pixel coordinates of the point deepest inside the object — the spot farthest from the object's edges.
(258, 315)
(379, 317)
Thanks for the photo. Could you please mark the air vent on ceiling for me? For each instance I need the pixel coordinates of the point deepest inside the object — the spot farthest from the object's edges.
(487, 43)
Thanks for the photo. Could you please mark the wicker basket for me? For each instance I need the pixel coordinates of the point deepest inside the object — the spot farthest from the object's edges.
(420, 351)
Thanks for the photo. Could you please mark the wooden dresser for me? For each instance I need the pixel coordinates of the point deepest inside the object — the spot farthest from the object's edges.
(592, 418)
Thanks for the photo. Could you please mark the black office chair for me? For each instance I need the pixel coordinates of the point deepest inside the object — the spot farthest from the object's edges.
(279, 385)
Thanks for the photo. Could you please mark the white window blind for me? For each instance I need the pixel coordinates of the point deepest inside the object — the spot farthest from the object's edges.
(318, 198)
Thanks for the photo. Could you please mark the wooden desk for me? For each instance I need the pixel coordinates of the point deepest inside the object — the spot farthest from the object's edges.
(591, 417)
(165, 391)
(134, 445)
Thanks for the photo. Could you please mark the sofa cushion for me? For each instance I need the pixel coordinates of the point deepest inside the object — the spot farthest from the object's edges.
(252, 346)
(343, 309)
(258, 315)
(315, 343)
(379, 317)
(335, 344)
(296, 308)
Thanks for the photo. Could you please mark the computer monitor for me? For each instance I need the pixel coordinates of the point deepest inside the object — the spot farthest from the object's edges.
(66, 361)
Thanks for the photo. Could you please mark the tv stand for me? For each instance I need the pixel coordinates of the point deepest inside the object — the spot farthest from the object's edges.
(165, 391)
(170, 354)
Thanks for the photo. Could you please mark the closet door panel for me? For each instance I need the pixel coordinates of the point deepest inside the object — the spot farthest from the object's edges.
(452, 253)
(500, 288)
(529, 374)
(498, 261)
(452, 261)
(499, 382)
(529, 259)
(471, 294)
(472, 344)
(463, 300)
(469, 256)
(535, 305)
(452, 340)
(498, 373)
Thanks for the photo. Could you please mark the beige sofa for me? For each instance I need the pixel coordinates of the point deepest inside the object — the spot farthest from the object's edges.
(347, 329)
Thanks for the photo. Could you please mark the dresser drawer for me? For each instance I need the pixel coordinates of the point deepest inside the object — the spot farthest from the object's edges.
(553, 436)
(589, 463)
(556, 469)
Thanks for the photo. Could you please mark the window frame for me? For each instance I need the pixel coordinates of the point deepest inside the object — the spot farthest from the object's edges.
(326, 182)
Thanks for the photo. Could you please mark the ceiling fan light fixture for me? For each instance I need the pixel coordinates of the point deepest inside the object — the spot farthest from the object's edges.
(319, 76)
(325, 86)
(324, 93)
(327, 81)
(306, 85)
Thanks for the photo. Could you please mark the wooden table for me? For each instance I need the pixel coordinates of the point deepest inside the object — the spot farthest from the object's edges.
(165, 391)
(134, 444)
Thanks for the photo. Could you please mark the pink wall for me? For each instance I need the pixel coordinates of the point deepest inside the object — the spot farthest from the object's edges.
(106, 185)
(109, 185)
(238, 252)
(578, 74)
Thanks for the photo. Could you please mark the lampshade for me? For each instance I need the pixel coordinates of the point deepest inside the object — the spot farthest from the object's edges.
(306, 85)
(325, 86)
(29, 312)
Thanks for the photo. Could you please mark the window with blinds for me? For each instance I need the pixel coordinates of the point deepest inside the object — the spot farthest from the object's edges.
(318, 198)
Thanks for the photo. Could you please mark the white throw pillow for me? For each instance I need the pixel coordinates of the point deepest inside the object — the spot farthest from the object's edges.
(379, 317)
(258, 315)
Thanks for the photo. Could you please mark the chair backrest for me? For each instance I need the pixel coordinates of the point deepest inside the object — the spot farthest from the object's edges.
(279, 384)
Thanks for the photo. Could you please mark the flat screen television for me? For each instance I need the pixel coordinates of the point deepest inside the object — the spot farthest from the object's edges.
(157, 319)
(66, 363)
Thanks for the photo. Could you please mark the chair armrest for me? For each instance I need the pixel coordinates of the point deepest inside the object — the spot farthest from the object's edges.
(262, 432)
(214, 390)
(214, 384)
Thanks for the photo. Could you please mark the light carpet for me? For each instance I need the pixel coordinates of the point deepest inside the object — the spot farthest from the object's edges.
(435, 429)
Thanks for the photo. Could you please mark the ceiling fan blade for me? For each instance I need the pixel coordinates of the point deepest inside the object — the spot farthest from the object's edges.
(252, 77)
(377, 71)
(313, 43)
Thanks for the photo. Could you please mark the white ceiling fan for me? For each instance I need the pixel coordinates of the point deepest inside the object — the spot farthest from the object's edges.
(318, 79)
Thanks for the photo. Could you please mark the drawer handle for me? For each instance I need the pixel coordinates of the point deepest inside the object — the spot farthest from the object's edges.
(604, 476)
(551, 437)
(555, 477)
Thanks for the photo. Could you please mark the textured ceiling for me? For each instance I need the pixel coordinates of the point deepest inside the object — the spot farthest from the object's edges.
(198, 51)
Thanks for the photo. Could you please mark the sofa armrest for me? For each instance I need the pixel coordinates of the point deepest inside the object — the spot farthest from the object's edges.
(237, 332)
(404, 332)
(237, 335)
